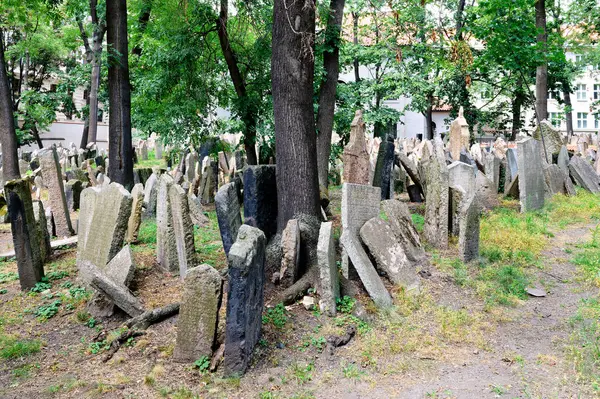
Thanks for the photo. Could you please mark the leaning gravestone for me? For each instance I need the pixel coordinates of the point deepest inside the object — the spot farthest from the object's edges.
(465, 221)
(244, 299)
(73, 189)
(584, 174)
(102, 224)
(436, 201)
(552, 139)
(199, 314)
(52, 174)
(531, 175)
(491, 164)
(383, 168)
(42, 226)
(25, 233)
(513, 166)
(228, 211)
(183, 229)
(355, 157)
(563, 160)
(135, 219)
(328, 272)
(150, 193)
(196, 212)
(260, 198)
(166, 247)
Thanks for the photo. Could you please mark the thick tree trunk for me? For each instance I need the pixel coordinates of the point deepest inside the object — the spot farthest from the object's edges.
(92, 134)
(8, 136)
(292, 68)
(239, 84)
(566, 90)
(355, 41)
(326, 111)
(119, 123)
(429, 119)
(517, 105)
(541, 76)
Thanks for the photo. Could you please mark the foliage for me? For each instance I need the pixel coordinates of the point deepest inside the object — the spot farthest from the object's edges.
(14, 348)
(276, 316)
(45, 312)
(202, 364)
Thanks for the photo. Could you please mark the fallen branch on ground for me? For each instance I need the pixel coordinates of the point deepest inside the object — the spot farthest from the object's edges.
(116, 344)
(150, 317)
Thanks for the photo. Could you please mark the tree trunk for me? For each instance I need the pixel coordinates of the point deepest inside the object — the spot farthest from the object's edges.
(86, 125)
(429, 119)
(8, 136)
(36, 135)
(97, 39)
(355, 41)
(566, 90)
(326, 111)
(541, 76)
(517, 105)
(239, 84)
(292, 68)
(119, 124)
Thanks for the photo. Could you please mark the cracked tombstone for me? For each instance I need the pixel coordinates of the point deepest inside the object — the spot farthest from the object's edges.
(244, 299)
(52, 174)
(584, 174)
(199, 314)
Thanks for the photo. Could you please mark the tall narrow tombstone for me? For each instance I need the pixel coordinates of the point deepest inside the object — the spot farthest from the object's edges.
(492, 168)
(436, 201)
(383, 169)
(244, 299)
(356, 158)
(73, 189)
(166, 247)
(42, 229)
(260, 198)
(102, 227)
(290, 248)
(208, 184)
(328, 272)
(135, 218)
(25, 234)
(199, 314)
(150, 194)
(531, 175)
(228, 211)
(183, 229)
(468, 215)
(52, 174)
(459, 135)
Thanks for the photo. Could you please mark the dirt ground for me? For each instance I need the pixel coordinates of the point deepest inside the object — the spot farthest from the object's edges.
(444, 343)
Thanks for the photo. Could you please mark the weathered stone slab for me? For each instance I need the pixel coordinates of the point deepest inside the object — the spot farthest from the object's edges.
(196, 211)
(356, 161)
(244, 299)
(463, 175)
(183, 229)
(42, 230)
(228, 210)
(436, 200)
(584, 174)
(552, 139)
(328, 272)
(290, 246)
(383, 169)
(486, 193)
(389, 253)
(513, 165)
(199, 314)
(459, 135)
(399, 218)
(166, 247)
(102, 224)
(260, 198)
(554, 178)
(512, 190)
(492, 168)
(413, 172)
(25, 233)
(73, 189)
(531, 175)
(208, 183)
(121, 268)
(360, 203)
(369, 277)
(469, 212)
(150, 194)
(117, 293)
(52, 174)
(135, 218)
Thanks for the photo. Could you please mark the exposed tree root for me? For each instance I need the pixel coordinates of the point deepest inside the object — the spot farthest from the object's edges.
(150, 317)
(299, 288)
(335, 342)
(116, 344)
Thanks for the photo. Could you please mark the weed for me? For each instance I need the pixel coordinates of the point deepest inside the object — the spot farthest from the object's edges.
(351, 371)
(56, 275)
(345, 304)
(8, 276)
(318, 343)
(46, 312)
(79, 293)
(147, 232)
(13, 348)
(277, 316)
(41, 287)
(497, 389)
(302, 374)
(202, 364)
(266, 395)
(24, 371)
(97, 347)
(419, 222)
(66, 284)
(3, 291)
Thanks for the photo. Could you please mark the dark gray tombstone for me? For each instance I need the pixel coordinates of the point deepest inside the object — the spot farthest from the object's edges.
(228, 211)
(260, 198)
(383, 168)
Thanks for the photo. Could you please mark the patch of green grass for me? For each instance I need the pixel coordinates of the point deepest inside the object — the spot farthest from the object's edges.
(583, 349)
(301, 373)
(350, 371)
(24, 371)
(502, 284)
(56, 275)
(45, 312)
(147, 232)
(276, 316)
(202, 364)
(14, 348)
(419, 221)
(8, 276)
(583, 208)
(588, 260)
(209, 245)
(345, 304)
(41, 287)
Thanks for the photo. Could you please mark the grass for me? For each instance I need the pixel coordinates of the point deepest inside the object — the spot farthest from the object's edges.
(147, 232)
(13, 348)
(151, 162)
(208, 243)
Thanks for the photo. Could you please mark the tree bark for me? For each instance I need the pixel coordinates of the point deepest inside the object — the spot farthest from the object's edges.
(96, 59)
(8, 136)
(566, 90)
(429, 119)
(326, 111)
(517, 105)
(119, 123)
(292, 68)
(248, 114)
(541, 75)
(355, 41)
(86, 125)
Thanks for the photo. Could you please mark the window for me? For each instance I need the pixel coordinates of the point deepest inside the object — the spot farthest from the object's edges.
(596, 92)
(100, 115)
(85, 94)
(555, 119)
(486, 94)
(553, 95)
(581, 90)
(52, 88)
(596, 121)
(579, 58)
(582, 120)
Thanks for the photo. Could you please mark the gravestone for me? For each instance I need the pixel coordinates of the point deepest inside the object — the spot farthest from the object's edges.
(329, 278)
(290, 247)
(383, 169)
(244, 299)
(584, 174)
(463, 175)
(355, 157)
(413, 172)
(531, 175)
(563, 160)
(51, 171)
(102, 224)
(260, 198)
(398, 216)
(199, 314)
(158, 149)
(467, 215)
(552, 139)
(183, 229)
(196, 212)
(389, 253)
(135, 218)
(166, 247)
(459, 135)
(486, 192)
(150, 194)
(121, 268)
(42, 230)
(73, 189)
(227, 207)
(25, 233)
(144, 150)
(436, 200)
(492, 168)
(208, 184)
